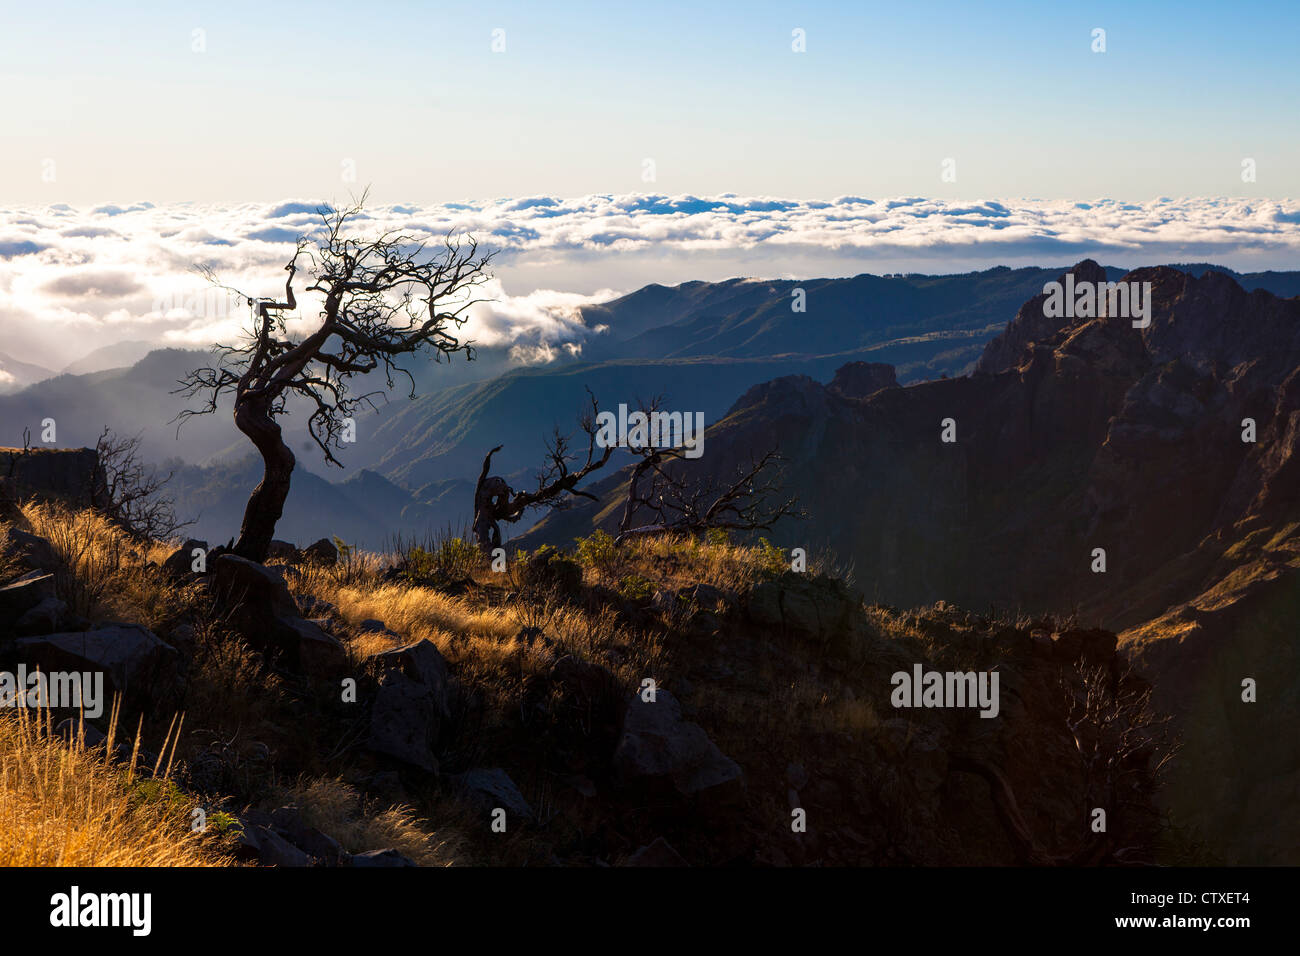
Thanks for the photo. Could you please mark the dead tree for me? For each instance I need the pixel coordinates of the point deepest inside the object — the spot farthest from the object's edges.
(131, 493)
(557, 482)
(665, 487)
(382, 299)
(1124, 747)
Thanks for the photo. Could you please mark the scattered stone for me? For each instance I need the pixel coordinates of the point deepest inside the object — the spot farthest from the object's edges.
(135, 662)
(371, 626)
(659, 747)
(489, 789)
(20, 596)
(258, 605)
(45, 618)
(821, 609)
(410, 704)
(184, 639)
(374, 858)
(314, 608)
(275, 850)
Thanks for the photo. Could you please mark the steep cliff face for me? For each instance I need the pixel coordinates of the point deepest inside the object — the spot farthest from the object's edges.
(1145, 479)
(68, 475)
(1074, 434)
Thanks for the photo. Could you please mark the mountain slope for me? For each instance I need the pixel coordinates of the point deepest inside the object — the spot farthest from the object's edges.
(1074, 435)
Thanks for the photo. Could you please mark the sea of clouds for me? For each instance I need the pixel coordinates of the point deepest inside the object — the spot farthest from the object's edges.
(74, 279)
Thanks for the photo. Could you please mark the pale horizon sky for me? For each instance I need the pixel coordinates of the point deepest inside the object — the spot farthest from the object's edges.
(275, 100)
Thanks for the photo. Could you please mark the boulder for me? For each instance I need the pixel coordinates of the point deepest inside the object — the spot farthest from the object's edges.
(817, 608)
(29, 551)
(20, 596)
(181, 561)
(135, 663)
(45, 618)
(410, 704)
(288, 823)
(372, 626)
(322, 552)
(661, 750)
(274, 850)
(314, 608)
(283, 551)
(71, 476)
(490, 789)
(184, 638)
(259, 606)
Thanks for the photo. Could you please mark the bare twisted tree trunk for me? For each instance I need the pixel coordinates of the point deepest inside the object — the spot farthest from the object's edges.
(266, 504)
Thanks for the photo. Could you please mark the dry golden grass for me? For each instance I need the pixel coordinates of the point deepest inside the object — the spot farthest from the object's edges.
(333, 807)
(472, 635)
(490, 635)
(65, 805)
(102, 573)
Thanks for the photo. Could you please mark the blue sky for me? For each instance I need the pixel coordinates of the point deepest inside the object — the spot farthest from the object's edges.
(413, 96)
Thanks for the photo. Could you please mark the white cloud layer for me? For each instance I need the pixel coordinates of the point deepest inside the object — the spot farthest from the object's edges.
(75, 279)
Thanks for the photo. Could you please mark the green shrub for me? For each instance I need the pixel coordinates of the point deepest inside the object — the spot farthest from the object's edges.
(636, 588)
(453, 560)
(596, 550)
(771, 559)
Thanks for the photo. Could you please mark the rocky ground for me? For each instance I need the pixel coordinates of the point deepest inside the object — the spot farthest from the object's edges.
(508, 719)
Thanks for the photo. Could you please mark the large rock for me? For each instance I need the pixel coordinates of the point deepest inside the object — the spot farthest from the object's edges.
(20, 596)
(818, 608)
(322, 552)
(181, 561)
(72, 476)
(259, 606)
(45, 618)
(660, 749)
(410, 704)
(492, 789)
(27, 550)
(135, 663)
(283, 551)
(273, 849)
